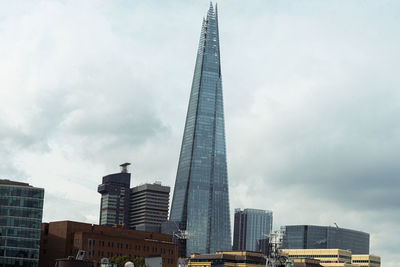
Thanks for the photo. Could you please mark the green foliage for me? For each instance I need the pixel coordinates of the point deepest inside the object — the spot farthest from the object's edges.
(121, 260)
(139, 262)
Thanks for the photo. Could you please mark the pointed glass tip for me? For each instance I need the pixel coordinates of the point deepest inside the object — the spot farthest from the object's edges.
(211, 9)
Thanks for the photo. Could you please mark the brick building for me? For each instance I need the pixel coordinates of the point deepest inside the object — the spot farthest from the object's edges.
(65, 238)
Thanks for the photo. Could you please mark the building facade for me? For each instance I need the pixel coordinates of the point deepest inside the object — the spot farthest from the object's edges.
(366, 260)
(327, 257)
(334, 257)
(149, 205)
(227, 258)
(114, 205)
(65, 238)
(325, 237)
(200, 202)
(251, 227)
(21, 210)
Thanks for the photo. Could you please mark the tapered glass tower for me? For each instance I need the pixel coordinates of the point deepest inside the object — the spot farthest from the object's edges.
(200, 203)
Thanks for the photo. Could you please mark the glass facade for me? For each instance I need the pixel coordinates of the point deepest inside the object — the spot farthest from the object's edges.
(251, 227)
(114, 205)
(200, 203)
(21, 209)
(324, 237)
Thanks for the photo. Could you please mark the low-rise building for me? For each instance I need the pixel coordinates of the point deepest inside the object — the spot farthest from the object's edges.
(227, 258)
(66, 238)
(366, 260)
(327, 257)
(334, 257)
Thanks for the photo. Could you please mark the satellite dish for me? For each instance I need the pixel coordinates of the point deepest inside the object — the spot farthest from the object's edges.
(104, 261)
(129, 264)
(81, 255)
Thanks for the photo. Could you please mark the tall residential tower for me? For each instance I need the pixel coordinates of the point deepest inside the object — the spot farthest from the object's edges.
(200, 202)
(114, 206)
(148, 207)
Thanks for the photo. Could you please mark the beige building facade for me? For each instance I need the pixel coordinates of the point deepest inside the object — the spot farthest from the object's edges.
(228, 259)
(334, 257)
(366, 260)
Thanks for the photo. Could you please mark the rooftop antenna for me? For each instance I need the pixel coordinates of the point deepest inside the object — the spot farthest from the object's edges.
(124, 167)
(336, 225)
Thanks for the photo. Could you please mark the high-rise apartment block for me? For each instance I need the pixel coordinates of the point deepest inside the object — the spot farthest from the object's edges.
(149, 205)
(200, 203)
(252, 228)
(325, 237)
(21, 210)
(143, 207)
(114, 206)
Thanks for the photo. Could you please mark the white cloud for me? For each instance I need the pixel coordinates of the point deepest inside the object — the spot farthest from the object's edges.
(310, 90)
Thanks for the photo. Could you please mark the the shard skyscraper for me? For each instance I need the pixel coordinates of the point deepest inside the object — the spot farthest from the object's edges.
(200, 203)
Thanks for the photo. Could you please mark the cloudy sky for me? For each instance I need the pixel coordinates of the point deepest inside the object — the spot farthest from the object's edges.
(311, 92)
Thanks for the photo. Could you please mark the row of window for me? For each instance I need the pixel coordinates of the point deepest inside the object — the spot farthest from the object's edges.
(19, 253)
(19, 232)
(367, 261)
(21, 202)
(21, 192)
(319, 256)
(20, 212)
(12, 262)
(20, 243)
(21, 222)
(108, 254)
(101, 243)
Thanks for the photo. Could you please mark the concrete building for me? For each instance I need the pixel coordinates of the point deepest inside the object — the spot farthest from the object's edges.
(366, 260)
(334, 257)
(114, 206)
(65, 238)
(149, 204)
(325, 237)
(21, 210)
(325, 256)
(227, 258)
(251, 226)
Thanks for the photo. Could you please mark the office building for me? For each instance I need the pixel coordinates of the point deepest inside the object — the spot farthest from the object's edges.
(149, 205)
(65, 238)
(366, 260)
(334, 257)
(114, 206)
(325, 237)
(327, 257)
(21, 210)
(228, 258)
(200, 202)
(251, 226)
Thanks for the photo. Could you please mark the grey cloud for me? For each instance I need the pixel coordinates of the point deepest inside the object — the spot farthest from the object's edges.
(311, 103)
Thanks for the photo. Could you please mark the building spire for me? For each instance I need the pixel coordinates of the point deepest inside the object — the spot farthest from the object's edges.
(210, 11)
(200, 204)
